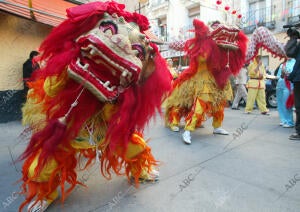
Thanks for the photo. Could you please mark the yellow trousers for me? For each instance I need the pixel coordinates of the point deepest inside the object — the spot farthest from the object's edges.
(198, 114)
(257, 95)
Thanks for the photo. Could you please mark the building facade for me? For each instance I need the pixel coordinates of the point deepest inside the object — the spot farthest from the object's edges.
(171, 19)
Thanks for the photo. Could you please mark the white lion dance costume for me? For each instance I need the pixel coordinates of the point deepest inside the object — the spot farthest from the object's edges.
(100, 82)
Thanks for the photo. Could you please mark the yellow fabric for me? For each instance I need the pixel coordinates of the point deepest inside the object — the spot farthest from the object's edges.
(45, 173)
(53, 85)
(218, 119)
(192, 122)
(97, 134)
(198, 112)
(201, 86)
(260, 96)
(32, 111)
(134, 149)
(256, 71)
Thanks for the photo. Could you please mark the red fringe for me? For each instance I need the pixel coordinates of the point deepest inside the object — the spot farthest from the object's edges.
(137, 105)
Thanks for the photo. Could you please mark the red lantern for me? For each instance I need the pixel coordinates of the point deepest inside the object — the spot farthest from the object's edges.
(219, 2)
(239, 16)
(233, 12)
(227, 8)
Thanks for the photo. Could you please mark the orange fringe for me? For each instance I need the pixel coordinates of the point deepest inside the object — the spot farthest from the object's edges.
(67, 163)
(38, 190)
(64, 172)
(144, 161)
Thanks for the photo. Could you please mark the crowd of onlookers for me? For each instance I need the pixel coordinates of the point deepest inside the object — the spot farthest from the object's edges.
(250, 86)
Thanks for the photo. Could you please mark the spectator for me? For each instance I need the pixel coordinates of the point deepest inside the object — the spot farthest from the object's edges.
(241, 91)
(283, 91)
(28, 67)
(173, 71)
(294, 76)
(256, 86)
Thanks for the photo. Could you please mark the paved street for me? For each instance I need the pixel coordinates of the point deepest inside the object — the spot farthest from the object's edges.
(255, 168)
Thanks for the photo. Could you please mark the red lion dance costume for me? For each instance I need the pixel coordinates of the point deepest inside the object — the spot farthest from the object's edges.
(99, 84)
(203, 89)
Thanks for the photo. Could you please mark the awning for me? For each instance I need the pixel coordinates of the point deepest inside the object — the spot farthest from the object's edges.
(50, 12)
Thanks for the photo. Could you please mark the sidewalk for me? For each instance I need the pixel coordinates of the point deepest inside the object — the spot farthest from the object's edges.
(255, 168)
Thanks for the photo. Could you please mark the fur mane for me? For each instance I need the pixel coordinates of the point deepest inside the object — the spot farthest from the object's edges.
(203, 45)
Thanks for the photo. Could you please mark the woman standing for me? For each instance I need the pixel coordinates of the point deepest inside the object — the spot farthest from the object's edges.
(283, 90)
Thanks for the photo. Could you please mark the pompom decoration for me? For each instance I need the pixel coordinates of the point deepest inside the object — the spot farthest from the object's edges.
(227, 8)
(219, 2)
(233, 12)
(239, 16)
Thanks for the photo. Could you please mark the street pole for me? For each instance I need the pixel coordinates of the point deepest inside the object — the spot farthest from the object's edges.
(139, 7)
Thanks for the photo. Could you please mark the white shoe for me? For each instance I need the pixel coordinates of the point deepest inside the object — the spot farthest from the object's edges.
(174, 128)
(287, 126)
(39, 206)
(186, 136)
(154, 174)
(220, 131)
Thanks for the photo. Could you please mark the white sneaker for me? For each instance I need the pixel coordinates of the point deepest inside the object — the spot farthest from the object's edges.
(154, 174)
(186, 136)
(220, 131)
(174, 128)
(287, 126)
(39, 206)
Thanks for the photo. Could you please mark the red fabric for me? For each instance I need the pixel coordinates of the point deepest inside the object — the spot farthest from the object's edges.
(290, 100)
(138, 104)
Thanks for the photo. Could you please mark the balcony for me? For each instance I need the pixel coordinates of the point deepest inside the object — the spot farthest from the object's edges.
(190, 3)
(159, 4)
(261, 17)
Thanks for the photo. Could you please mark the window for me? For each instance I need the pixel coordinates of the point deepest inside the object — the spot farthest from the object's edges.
(293, 8)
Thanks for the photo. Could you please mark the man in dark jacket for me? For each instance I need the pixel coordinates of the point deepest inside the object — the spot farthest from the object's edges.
(28, 67)
(294, 76)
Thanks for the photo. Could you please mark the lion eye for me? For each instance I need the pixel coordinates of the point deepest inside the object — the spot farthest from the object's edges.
(141, 52)
(109, 27)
